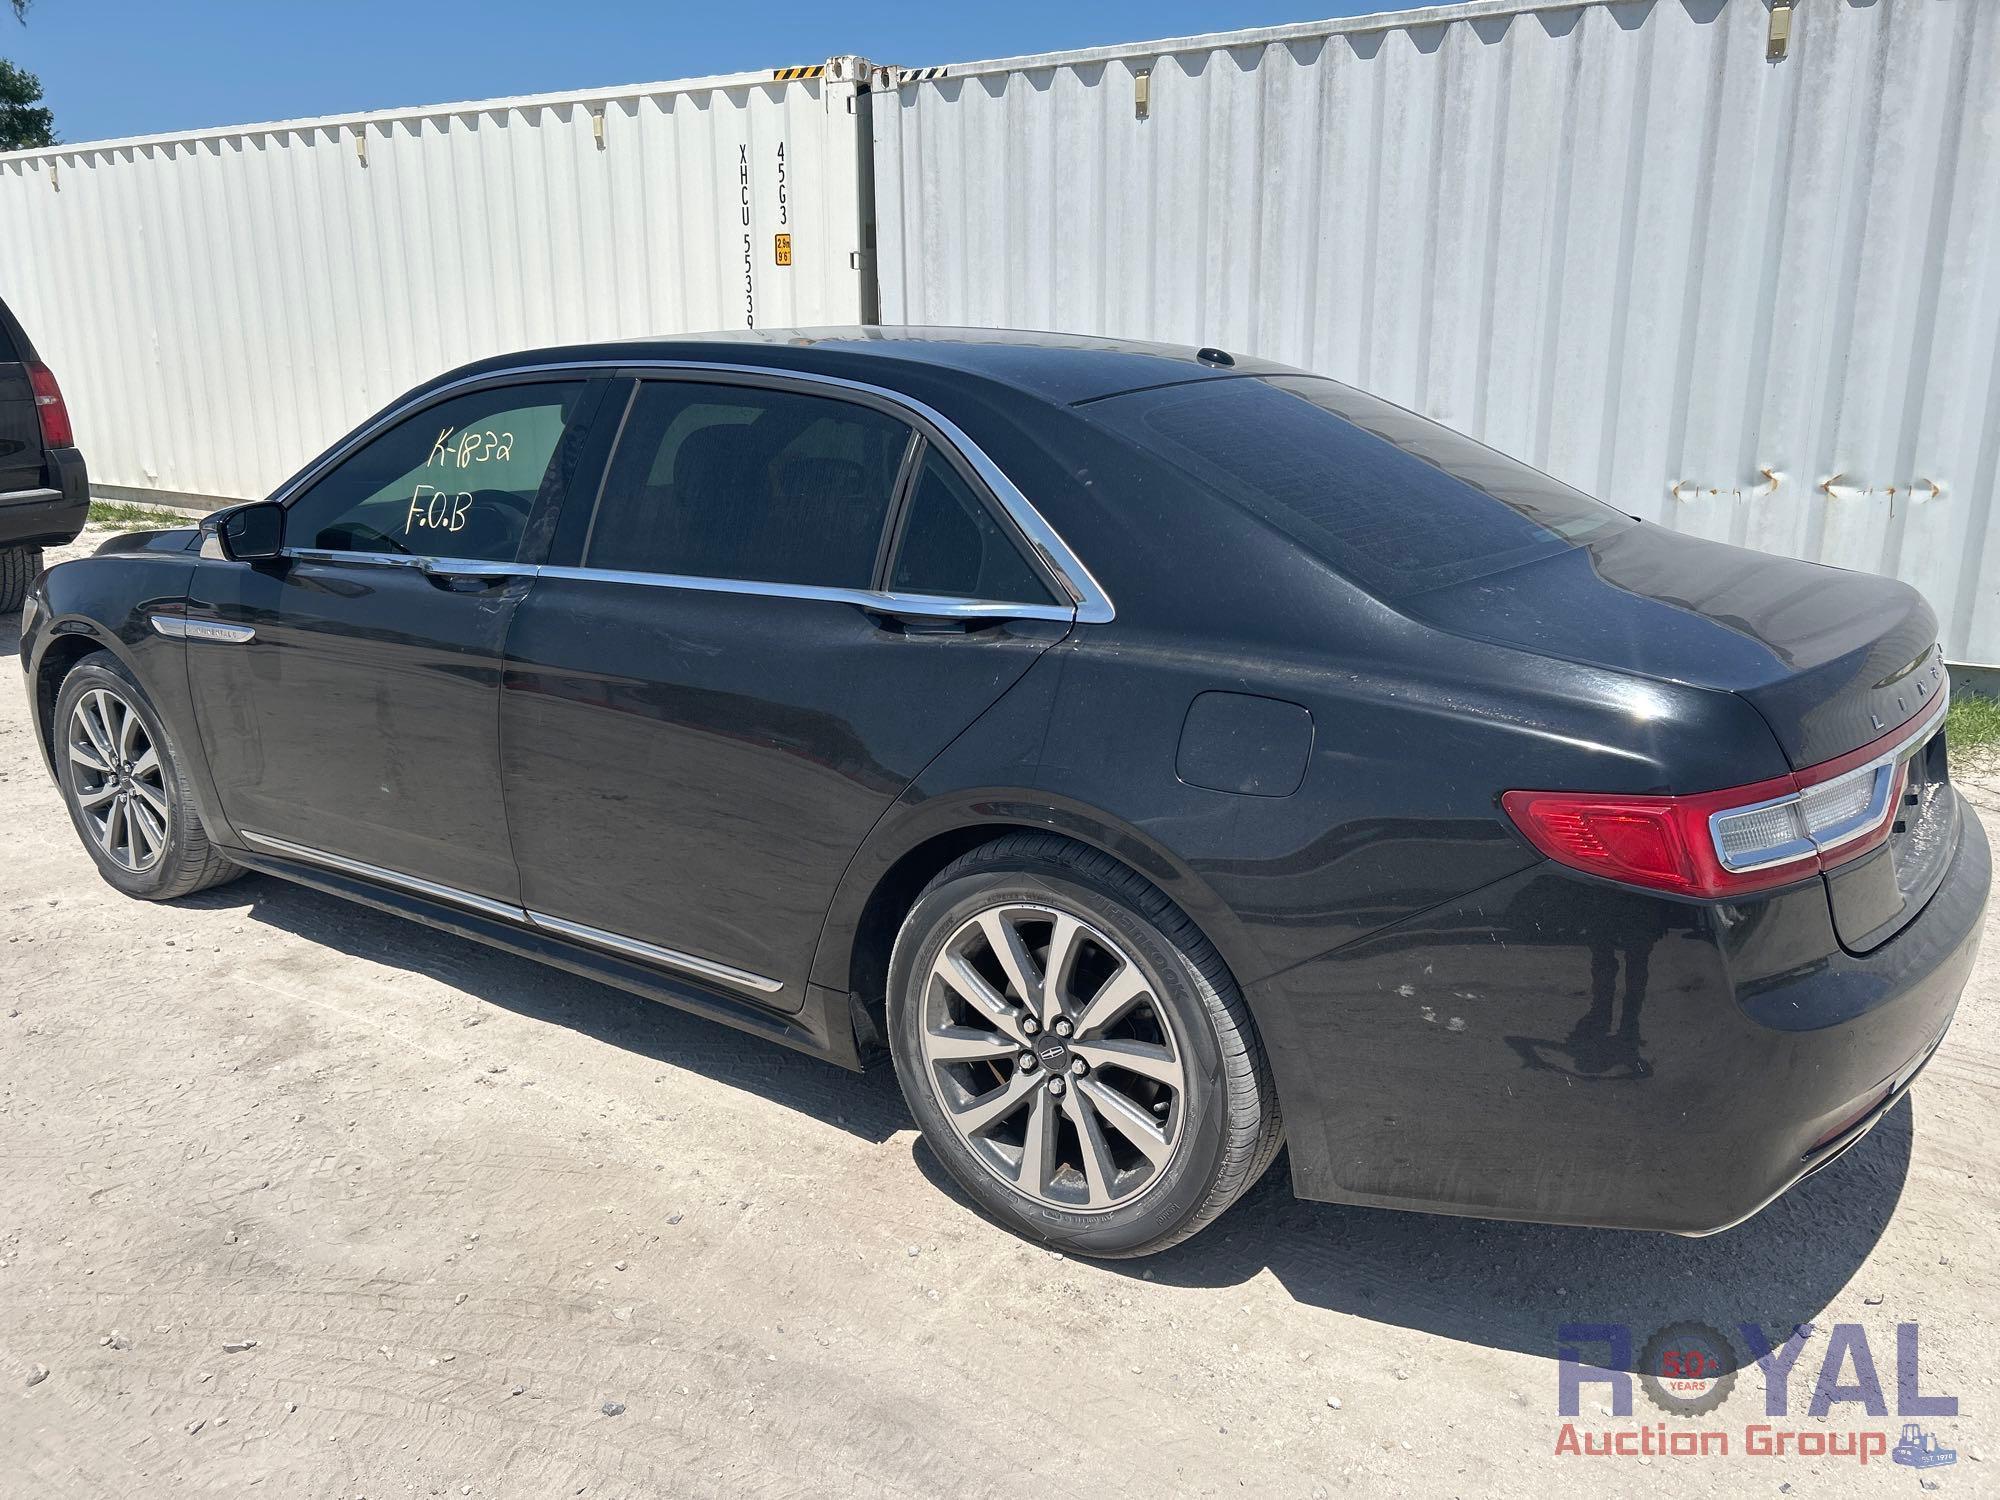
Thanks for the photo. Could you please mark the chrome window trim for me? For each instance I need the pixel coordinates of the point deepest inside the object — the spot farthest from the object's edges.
(932, 606)
(372, 559)
(632, 947)
(424, 562)
(929, 605)
(183, 628)
(1870, 817)
(466, 567)
(671, 957)
(1092, 605)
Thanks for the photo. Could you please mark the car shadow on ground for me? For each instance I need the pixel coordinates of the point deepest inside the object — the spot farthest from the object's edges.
(866, 1105)
(1506, 1286)
(1512, 1286)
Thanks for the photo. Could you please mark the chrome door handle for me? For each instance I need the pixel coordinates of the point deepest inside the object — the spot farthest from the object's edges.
(467, 576)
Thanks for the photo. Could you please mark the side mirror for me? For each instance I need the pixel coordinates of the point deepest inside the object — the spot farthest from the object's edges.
(252, 533)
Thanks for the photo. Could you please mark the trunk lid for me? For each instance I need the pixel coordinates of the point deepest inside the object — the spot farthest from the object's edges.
(1831, 659)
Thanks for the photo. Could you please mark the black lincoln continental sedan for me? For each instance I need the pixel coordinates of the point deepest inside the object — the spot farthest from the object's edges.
(1162, 755)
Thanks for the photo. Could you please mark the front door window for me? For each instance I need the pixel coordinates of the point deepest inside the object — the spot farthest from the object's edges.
(459, 480)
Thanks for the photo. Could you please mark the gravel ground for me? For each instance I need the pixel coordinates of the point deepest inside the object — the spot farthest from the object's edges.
(498, 1231)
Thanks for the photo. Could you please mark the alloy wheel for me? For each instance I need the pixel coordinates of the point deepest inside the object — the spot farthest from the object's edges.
(1054, 1061)
(118, 781)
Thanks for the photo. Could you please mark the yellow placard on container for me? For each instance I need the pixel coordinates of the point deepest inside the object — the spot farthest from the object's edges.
(784, 249)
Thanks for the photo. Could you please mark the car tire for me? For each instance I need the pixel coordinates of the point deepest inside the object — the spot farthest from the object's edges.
(1154, 1110)
(18, 567)
(153, 845)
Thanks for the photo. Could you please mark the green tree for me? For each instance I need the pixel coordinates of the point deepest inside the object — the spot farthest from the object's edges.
(24, 121)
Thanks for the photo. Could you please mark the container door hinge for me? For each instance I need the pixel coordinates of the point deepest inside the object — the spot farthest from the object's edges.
(1142, 93)
(1779, 39)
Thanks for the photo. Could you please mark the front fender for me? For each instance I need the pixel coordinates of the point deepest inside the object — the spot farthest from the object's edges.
(105, 603)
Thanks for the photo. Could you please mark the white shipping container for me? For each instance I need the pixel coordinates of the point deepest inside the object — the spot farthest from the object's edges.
(1754, 298)
(221, 305)
(1751, 297)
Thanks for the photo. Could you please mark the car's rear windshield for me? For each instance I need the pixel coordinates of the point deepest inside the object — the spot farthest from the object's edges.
(1397, 502)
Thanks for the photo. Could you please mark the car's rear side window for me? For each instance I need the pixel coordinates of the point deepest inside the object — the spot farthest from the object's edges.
(1395, 501)
(743, 482)
(953, 547)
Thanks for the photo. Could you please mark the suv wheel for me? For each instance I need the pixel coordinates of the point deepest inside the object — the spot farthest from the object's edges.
(123, 784)
(18, 567)
(1075, 1051)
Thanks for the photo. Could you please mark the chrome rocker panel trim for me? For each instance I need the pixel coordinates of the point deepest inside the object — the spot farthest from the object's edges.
(630, 947)
(671, 957)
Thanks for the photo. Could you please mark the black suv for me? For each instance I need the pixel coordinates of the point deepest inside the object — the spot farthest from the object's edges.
(44, 494)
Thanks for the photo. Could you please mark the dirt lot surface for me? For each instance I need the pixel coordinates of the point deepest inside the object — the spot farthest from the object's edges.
(498, 1231)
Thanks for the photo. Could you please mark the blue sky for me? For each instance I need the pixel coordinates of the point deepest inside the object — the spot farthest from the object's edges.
(141, 67)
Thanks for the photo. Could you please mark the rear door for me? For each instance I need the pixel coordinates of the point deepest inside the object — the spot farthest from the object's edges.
(349, 704)
(710, 694)
(20, 427)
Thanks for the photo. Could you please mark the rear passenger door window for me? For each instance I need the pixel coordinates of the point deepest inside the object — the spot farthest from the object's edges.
(747, 483)
(952, 546)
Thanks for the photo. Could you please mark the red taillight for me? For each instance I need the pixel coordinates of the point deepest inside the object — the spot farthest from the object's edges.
(56, 431)
(1660, 842)
(1738, 840)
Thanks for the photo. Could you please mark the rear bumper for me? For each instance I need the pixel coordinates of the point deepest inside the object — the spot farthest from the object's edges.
(53, 513)
(1563, 1051)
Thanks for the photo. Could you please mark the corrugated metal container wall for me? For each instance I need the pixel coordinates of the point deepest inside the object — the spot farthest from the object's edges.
(1756, 300)
(221, 306)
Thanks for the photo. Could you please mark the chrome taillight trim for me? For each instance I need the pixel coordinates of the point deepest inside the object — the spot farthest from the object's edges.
(1885, 769)
(1776, 854)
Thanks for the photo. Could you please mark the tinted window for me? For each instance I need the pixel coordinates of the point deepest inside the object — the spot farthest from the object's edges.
(953, 546)
(1397, 502)
(724, 481)
(457, 480)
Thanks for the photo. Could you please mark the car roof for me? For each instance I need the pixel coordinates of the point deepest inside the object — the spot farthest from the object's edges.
(1060, 368)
